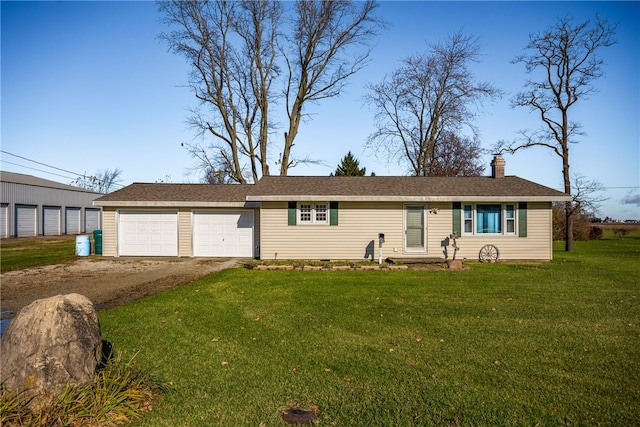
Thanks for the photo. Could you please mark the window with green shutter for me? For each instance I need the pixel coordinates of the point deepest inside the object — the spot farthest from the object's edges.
(312, 213)
(483, 218)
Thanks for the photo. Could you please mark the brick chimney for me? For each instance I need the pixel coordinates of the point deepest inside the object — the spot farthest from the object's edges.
(497, 166)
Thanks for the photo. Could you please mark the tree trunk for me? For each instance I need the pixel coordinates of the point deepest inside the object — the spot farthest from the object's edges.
(568, 208)
(568, 238)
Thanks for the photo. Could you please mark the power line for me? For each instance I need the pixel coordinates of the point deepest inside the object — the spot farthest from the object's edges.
(79, 175)
(36, 169)
(43, 164)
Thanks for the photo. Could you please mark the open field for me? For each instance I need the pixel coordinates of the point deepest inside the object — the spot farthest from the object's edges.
(552, 343)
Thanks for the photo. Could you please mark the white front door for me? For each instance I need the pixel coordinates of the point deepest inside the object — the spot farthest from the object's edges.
(148, 234)
(223, 234)
(415, 229)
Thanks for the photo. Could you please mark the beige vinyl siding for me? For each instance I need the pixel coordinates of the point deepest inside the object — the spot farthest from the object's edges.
(256, 233)
(354, 238)
(109, 232)
(185, 248)
(360, 222)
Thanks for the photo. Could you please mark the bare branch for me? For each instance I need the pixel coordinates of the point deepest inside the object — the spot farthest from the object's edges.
(236, 50)
(564, 62)
(424, 104)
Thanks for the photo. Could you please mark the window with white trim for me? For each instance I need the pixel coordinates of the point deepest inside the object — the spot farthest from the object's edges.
(487, 218)
(313, 213)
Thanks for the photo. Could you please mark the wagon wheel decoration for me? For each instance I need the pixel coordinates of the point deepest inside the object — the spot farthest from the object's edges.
(489, 253)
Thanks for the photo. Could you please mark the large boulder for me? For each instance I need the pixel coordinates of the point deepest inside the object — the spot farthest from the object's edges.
(51, 343)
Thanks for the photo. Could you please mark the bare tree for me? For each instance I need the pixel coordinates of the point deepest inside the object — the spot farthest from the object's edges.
(236, 49)
(319, 62)
(426, 101)
(231, 47)
(457, 156)
(564, 62)
(585, 197)
(102, 182)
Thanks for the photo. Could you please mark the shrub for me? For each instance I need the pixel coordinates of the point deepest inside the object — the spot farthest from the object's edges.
(595, 233)
(581, 224)
(621, 232)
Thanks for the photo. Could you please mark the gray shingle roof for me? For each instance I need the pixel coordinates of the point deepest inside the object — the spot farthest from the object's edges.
(292, 188)
(177, 195)
(379, 188)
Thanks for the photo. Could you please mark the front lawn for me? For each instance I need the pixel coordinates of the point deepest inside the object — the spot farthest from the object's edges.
(546, 344)
(17, 254)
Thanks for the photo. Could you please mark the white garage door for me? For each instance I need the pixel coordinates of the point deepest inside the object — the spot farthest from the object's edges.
(223, 234)
(91, 220)
(148, 234)
(51, 221)
(26, 221)
(4, 220)
(72, 222)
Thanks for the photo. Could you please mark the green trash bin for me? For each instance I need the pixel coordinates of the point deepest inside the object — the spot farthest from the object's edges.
(97, 238)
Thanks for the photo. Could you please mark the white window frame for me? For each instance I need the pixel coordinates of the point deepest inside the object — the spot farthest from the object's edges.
(506, 222)
(312, 213)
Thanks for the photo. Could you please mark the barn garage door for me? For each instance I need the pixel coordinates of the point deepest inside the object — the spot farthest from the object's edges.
(26, 221)
(91, 220)
(4, 220)
(223, 234)
(72, 221)
(51, 217)
(148, 234)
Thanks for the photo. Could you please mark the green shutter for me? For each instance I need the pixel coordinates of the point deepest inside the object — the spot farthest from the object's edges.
(292, 213)
(457, 218)
(522, 219)
(333, 213)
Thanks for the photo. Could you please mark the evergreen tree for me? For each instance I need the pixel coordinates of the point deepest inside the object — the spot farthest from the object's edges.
(350, 166)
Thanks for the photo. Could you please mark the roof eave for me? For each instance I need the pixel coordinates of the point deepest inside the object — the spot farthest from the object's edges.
(309, 198)
(170, 204)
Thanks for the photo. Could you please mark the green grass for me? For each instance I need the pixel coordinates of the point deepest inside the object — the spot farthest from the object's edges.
(16, 254)
(549, 343)
(120, 393)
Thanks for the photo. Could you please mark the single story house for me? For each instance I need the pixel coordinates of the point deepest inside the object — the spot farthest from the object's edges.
(334, 218)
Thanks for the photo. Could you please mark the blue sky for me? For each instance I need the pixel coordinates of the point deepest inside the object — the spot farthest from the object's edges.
(89, 86)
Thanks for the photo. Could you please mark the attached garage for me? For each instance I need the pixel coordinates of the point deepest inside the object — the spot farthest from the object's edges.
(51, 218)
(91, 219)
(223, 233)
(148, 233)
(184, 220)
(26, 224)
(72, 221)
